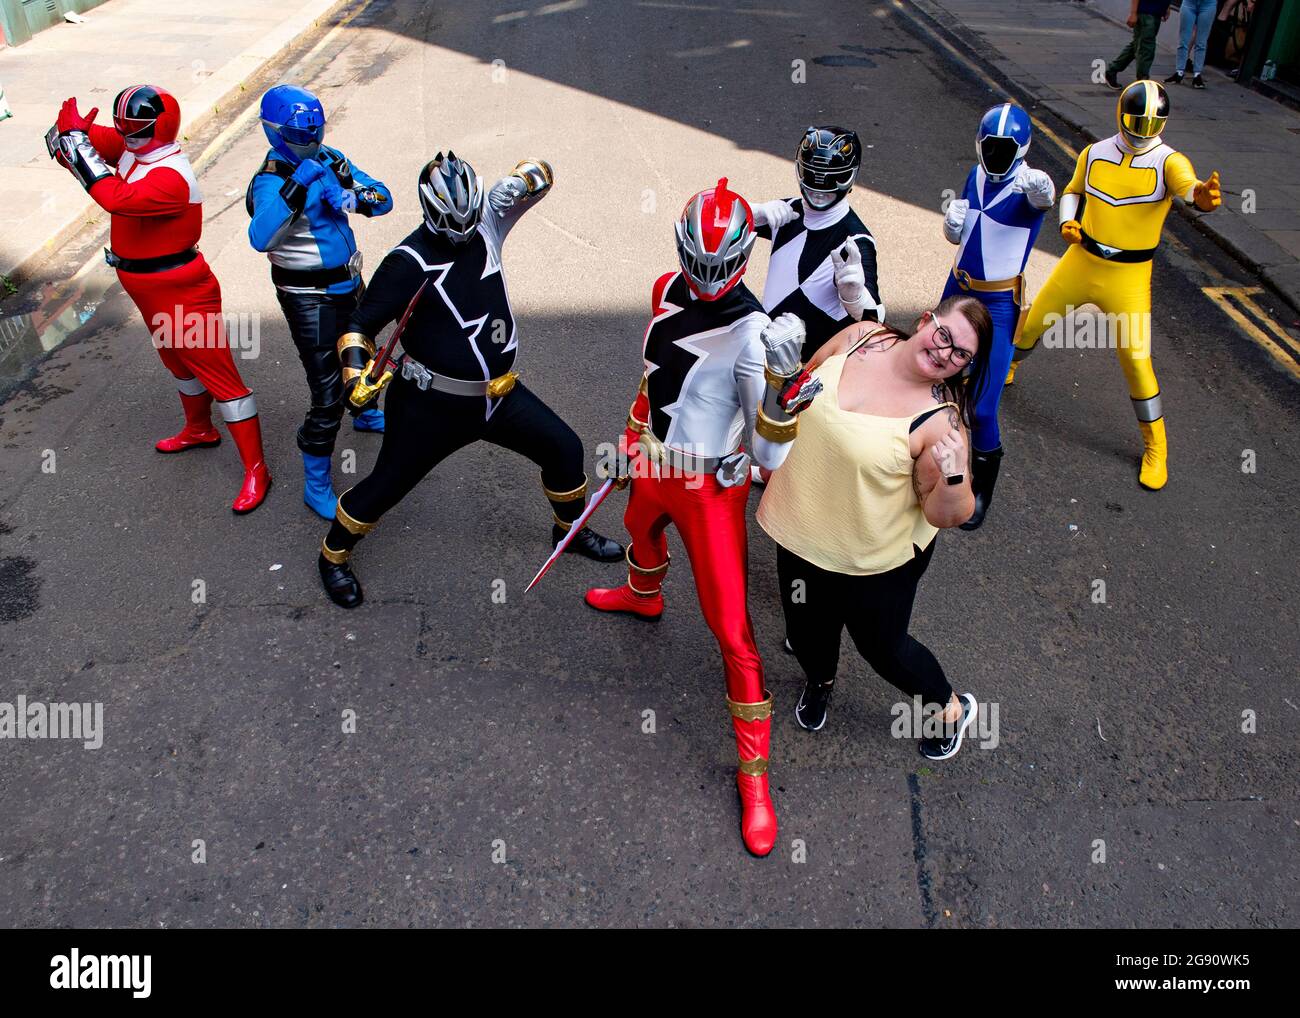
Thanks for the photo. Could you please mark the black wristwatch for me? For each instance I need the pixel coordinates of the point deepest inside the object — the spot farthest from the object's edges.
(955, 478)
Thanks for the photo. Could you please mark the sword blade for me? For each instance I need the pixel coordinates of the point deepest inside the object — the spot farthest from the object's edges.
(601, 493)
(387, 355)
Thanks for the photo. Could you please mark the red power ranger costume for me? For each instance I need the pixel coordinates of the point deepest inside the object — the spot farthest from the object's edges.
(157, 217)
(718, 372)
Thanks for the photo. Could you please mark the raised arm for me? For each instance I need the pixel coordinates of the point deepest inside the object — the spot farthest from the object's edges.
(513, 195)
(774, 388)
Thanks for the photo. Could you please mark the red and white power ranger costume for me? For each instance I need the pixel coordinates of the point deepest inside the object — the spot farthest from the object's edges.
(716, 373)
(157, 216)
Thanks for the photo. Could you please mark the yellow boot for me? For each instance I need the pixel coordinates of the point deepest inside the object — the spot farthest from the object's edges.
(1154, 472)
(1011, 373)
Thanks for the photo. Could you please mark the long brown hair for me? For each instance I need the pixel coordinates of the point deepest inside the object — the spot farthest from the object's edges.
(965, 387)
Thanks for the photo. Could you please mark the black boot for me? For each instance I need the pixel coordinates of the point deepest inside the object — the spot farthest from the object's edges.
(984, 476)
(340, 583)
(589, 544)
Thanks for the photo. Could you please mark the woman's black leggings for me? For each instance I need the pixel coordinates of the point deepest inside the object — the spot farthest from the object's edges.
(876, 609)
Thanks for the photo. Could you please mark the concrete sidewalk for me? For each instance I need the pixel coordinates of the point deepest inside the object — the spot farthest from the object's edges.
(201, 52)
(1047, 48)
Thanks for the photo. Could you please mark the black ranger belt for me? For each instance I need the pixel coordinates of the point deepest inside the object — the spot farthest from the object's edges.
(316, 279)
(1115, 254)
(145, 265)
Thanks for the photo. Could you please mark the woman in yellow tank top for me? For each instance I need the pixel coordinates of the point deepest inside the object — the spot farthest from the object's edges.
(881, 465)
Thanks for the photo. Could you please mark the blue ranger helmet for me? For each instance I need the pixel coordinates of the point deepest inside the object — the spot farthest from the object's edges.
(1003, 140)
(294, 122)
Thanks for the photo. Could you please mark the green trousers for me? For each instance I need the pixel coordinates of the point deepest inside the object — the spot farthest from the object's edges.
(1142, 46)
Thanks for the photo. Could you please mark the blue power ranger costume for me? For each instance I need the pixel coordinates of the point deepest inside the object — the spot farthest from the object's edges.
(299, 201)
(994, 225)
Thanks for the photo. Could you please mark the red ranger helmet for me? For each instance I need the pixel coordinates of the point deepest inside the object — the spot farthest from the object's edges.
(714, 237)
(148, 117)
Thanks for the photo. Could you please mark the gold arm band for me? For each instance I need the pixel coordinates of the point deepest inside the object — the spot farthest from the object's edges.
(775, 431)
(351, 525)
(658, 570)
(779, 382)
(356, 340)
(760, 711)
(755, 768)
(529, 169)
(351, 373)
(633, 421)
(330, 555)
(567, 496)
(502, 384)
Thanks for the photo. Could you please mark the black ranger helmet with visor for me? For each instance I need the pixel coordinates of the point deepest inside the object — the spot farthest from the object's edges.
(451, 197)
(1141, 114)
(827, 163)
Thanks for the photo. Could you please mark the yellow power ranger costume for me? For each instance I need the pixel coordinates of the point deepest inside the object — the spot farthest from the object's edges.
(1125, 185)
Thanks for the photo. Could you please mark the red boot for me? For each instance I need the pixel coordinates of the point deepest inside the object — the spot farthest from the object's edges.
(642, 595)
(198, 432)
(257, 479)
(753, 725)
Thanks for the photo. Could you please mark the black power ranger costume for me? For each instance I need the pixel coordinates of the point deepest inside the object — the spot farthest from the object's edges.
(823, 264)
(454, 383)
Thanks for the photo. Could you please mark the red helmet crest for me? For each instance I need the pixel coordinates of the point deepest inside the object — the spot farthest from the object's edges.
(714, 237)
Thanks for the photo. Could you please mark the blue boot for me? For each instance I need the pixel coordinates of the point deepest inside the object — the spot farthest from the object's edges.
(317, 489)
(369, 420)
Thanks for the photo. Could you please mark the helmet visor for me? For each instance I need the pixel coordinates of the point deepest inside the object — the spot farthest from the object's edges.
(998, 154)
(1142, 127)
(131, 127)
(825, 180)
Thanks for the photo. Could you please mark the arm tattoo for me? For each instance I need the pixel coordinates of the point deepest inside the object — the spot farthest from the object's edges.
(940, 394)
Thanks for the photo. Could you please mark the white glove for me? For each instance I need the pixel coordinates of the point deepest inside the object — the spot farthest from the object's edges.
(850, 280)
(1036, 186)
(954, 220)
(783, 340)
(775, 214)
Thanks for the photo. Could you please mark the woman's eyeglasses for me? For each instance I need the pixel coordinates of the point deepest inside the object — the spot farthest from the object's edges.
(943, 340)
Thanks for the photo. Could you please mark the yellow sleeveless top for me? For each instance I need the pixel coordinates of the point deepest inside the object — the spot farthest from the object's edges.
(843, 499)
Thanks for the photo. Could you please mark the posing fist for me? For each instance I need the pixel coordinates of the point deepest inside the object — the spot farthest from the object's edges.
(783, 340)
(1072, 231)
(775, 214)
(950, 453)
(70, 119)
(507, 193)
(954, 220)
(308, 171)
(1036, 186)
(1207, 195)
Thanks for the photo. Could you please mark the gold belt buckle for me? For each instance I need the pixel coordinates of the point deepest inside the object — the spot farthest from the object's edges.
(502, 384)
(963, 278)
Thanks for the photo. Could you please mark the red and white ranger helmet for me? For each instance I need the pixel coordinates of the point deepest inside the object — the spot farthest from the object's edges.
(147, 116)
(714, 237)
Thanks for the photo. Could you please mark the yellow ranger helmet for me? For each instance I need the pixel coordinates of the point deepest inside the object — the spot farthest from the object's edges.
(1142, 111)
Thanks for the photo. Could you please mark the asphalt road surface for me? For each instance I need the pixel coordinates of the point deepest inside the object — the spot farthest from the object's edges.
(500, 771)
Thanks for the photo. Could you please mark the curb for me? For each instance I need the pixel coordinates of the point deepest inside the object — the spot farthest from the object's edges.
(225, 86)
(1262, 256)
